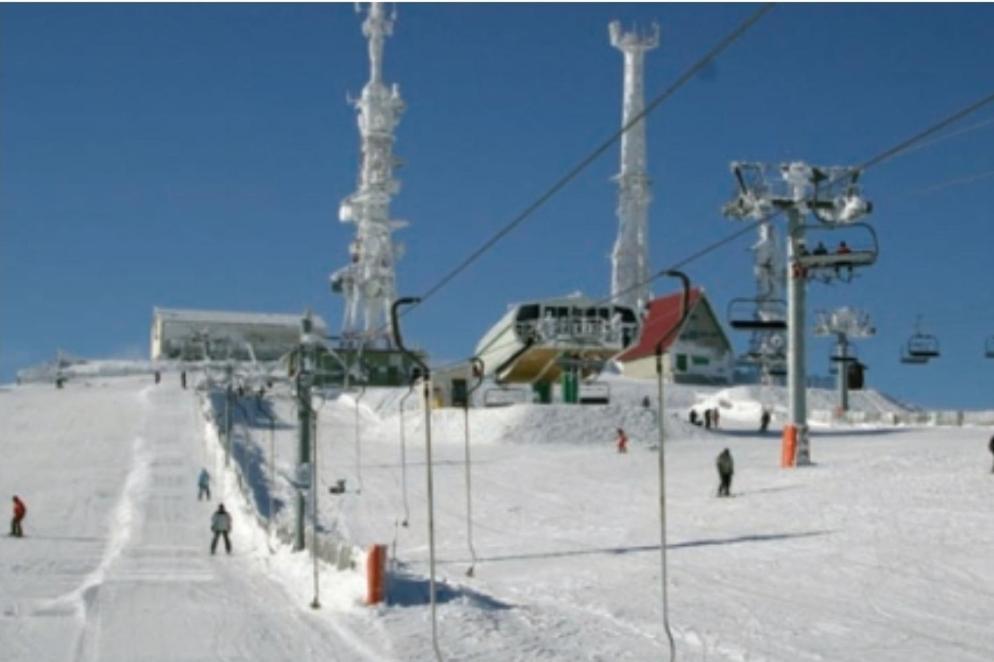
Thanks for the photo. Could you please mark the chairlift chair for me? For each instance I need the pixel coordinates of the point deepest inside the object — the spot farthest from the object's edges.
(831, 262)
(989, 348)
(911, 359)
(746, 314)
(922, 345)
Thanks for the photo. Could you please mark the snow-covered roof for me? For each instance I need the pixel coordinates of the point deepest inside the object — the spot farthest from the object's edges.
(233, 317)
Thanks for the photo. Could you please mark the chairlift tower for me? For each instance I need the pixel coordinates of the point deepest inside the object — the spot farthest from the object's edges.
(368, 283)
(770, 274)
(630, 257)
(831, 195)
(846, 324)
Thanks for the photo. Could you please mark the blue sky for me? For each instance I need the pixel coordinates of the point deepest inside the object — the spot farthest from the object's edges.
(195, 156)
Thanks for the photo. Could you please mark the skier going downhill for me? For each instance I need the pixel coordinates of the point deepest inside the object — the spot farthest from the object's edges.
(221, 526)
(204, 485)
(622, 441)
(20, 510)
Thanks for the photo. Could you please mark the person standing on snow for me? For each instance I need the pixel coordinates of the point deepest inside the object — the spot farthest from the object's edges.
(204, 483)
(725, 470)
(707, 419)
(221, 526)
(764, 420)
(20, 511)
(714, 417)
(990, 447)
(622, 441)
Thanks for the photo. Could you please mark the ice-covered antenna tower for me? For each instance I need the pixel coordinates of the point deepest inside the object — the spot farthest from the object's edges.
(846, 324)
(368, 283)
(832, 196)
(630, 258)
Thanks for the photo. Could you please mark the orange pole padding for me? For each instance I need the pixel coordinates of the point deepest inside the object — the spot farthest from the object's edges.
(788, 446)
(376, 574)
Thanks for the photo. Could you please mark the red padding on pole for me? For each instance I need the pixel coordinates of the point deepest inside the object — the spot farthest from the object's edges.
(788, 446)
(376, 574)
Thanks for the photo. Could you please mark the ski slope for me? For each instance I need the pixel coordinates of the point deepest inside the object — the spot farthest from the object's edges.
(881, 551)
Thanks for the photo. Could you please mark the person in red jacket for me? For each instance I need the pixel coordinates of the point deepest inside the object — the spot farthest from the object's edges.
(20, 510)
(622, 441)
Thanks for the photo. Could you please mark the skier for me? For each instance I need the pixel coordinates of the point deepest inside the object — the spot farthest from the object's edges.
(622, 441)
(645, 402)
(182, 379)
(714, 417)
(990, 446)
(20, 510)
(693, 417)
(725, 470)
(158, 376)
(221, 526)
(764, 420)
(204, 483)
(707, 419)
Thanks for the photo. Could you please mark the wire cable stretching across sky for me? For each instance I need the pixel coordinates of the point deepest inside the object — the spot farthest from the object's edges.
(900, 148)
(582, 165)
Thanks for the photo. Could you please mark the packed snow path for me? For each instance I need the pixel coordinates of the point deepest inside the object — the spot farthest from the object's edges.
(115, 565)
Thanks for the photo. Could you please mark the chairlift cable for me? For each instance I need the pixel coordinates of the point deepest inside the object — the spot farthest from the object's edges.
(598, 151)
(887, 154)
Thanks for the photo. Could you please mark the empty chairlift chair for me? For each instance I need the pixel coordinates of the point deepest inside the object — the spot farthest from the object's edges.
(757, 314)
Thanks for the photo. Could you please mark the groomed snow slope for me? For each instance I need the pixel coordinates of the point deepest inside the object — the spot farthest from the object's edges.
(879, 552)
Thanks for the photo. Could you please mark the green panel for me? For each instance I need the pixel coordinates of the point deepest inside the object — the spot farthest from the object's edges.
(700, 360)
(681, 362)
(544, 391)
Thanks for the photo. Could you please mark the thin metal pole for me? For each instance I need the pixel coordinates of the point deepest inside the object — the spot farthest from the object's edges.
(431, 518)
(272, 473)
(403, 457)
(316, 603)
(469, 500)
(662, 502)
(358, 446)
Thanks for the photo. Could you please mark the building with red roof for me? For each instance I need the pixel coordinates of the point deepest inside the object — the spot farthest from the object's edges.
(698, 352)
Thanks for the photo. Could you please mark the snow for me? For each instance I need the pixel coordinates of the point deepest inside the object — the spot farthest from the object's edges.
(879, 552)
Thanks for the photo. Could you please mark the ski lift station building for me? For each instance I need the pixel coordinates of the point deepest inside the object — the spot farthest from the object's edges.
(699, 352)
(177, 333)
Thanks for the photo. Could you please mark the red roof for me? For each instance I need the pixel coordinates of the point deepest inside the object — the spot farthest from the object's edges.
(664, 313)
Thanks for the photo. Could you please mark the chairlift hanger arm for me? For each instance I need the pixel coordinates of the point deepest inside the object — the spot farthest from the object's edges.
(406, 301)
(684, 312)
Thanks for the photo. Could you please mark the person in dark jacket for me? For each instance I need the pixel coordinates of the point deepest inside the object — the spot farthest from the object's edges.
(221, 526)
(726, 468)
(707, 419)
(990, 446)
(204, 485)
(764, 420)
(20, 511)
(694, 420)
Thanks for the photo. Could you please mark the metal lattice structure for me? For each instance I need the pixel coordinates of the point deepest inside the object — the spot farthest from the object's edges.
(831, 195)
(845, 324)
(368, 283)
(630, 257)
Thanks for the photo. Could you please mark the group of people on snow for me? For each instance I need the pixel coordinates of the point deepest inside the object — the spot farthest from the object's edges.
(710, 418)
